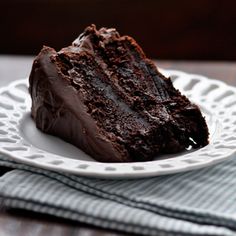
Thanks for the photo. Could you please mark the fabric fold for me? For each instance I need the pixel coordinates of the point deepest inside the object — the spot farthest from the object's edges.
(200, 202)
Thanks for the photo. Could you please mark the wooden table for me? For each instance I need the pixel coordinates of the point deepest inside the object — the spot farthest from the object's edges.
(22, 223)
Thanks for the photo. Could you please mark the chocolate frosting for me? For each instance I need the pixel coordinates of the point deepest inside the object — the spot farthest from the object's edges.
(58, 110)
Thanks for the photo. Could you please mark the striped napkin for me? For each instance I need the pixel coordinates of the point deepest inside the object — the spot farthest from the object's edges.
(200, 202)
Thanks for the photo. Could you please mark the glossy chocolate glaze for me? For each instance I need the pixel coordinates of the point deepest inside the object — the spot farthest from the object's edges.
(57, 109)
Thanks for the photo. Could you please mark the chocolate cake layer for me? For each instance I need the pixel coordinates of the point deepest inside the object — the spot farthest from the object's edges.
(103, 95)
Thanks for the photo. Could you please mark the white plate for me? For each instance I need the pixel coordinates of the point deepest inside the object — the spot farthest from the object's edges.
(22, 142)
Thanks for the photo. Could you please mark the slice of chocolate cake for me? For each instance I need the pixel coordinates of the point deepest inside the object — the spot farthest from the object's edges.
(103, 95)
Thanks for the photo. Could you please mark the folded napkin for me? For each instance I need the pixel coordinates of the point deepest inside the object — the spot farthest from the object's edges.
(200, 202)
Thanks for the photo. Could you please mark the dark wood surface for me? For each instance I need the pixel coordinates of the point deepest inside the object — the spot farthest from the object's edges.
(22, 223)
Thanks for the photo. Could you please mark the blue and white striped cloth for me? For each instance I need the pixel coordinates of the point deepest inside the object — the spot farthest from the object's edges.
(200, 202)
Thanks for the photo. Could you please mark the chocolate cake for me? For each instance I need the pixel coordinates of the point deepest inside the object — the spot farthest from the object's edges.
(104, 96)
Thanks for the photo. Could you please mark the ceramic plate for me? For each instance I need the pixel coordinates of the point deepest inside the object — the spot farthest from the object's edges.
(22, 142)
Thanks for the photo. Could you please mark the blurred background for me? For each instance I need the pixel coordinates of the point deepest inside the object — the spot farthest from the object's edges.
(166, 29)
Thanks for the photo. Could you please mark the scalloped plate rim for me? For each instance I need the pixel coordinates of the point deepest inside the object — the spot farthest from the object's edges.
(124, 174)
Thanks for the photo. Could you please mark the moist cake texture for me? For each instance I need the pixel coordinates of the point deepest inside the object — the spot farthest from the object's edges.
(104, 96)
